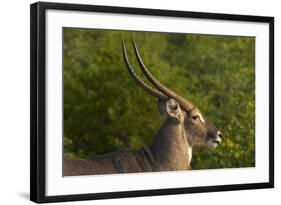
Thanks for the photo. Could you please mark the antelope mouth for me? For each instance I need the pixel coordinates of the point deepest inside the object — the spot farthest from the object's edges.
(217, 141)
(214, 142)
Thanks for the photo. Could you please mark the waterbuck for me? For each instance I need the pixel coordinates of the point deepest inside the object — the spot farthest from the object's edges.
(171, 149)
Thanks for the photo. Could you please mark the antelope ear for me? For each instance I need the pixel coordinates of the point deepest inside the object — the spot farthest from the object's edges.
(170, 108)
(162, 108)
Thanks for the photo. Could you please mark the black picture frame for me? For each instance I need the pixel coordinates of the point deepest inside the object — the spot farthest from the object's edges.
(38, 100)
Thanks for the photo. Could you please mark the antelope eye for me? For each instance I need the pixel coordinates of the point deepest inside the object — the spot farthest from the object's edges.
(195, 117)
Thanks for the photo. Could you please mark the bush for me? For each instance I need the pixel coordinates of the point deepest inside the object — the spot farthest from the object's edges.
(104, 110)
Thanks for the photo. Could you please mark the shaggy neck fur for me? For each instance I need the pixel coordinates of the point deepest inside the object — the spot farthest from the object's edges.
(170, 148)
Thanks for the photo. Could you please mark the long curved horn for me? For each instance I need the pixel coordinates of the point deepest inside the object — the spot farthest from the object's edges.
(139, 81)
(182, 101)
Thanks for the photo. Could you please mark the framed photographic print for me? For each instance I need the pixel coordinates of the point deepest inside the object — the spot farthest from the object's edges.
(129, 102)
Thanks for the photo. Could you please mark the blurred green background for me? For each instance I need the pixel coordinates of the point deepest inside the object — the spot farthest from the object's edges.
(104, 110)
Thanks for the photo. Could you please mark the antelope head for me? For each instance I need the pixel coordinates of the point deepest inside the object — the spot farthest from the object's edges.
(198, 130)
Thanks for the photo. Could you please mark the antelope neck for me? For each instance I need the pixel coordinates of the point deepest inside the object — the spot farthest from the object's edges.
(170, 147)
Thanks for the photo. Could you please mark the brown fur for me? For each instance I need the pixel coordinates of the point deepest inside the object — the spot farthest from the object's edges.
(167, 152)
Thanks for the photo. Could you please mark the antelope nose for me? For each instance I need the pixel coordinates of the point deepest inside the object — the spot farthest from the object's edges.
(219, 134)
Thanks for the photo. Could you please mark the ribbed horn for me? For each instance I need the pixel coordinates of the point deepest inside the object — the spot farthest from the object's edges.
(139, 81)
(171, 94)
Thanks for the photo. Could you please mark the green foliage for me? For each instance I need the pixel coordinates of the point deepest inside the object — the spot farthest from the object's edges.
(104, 110)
